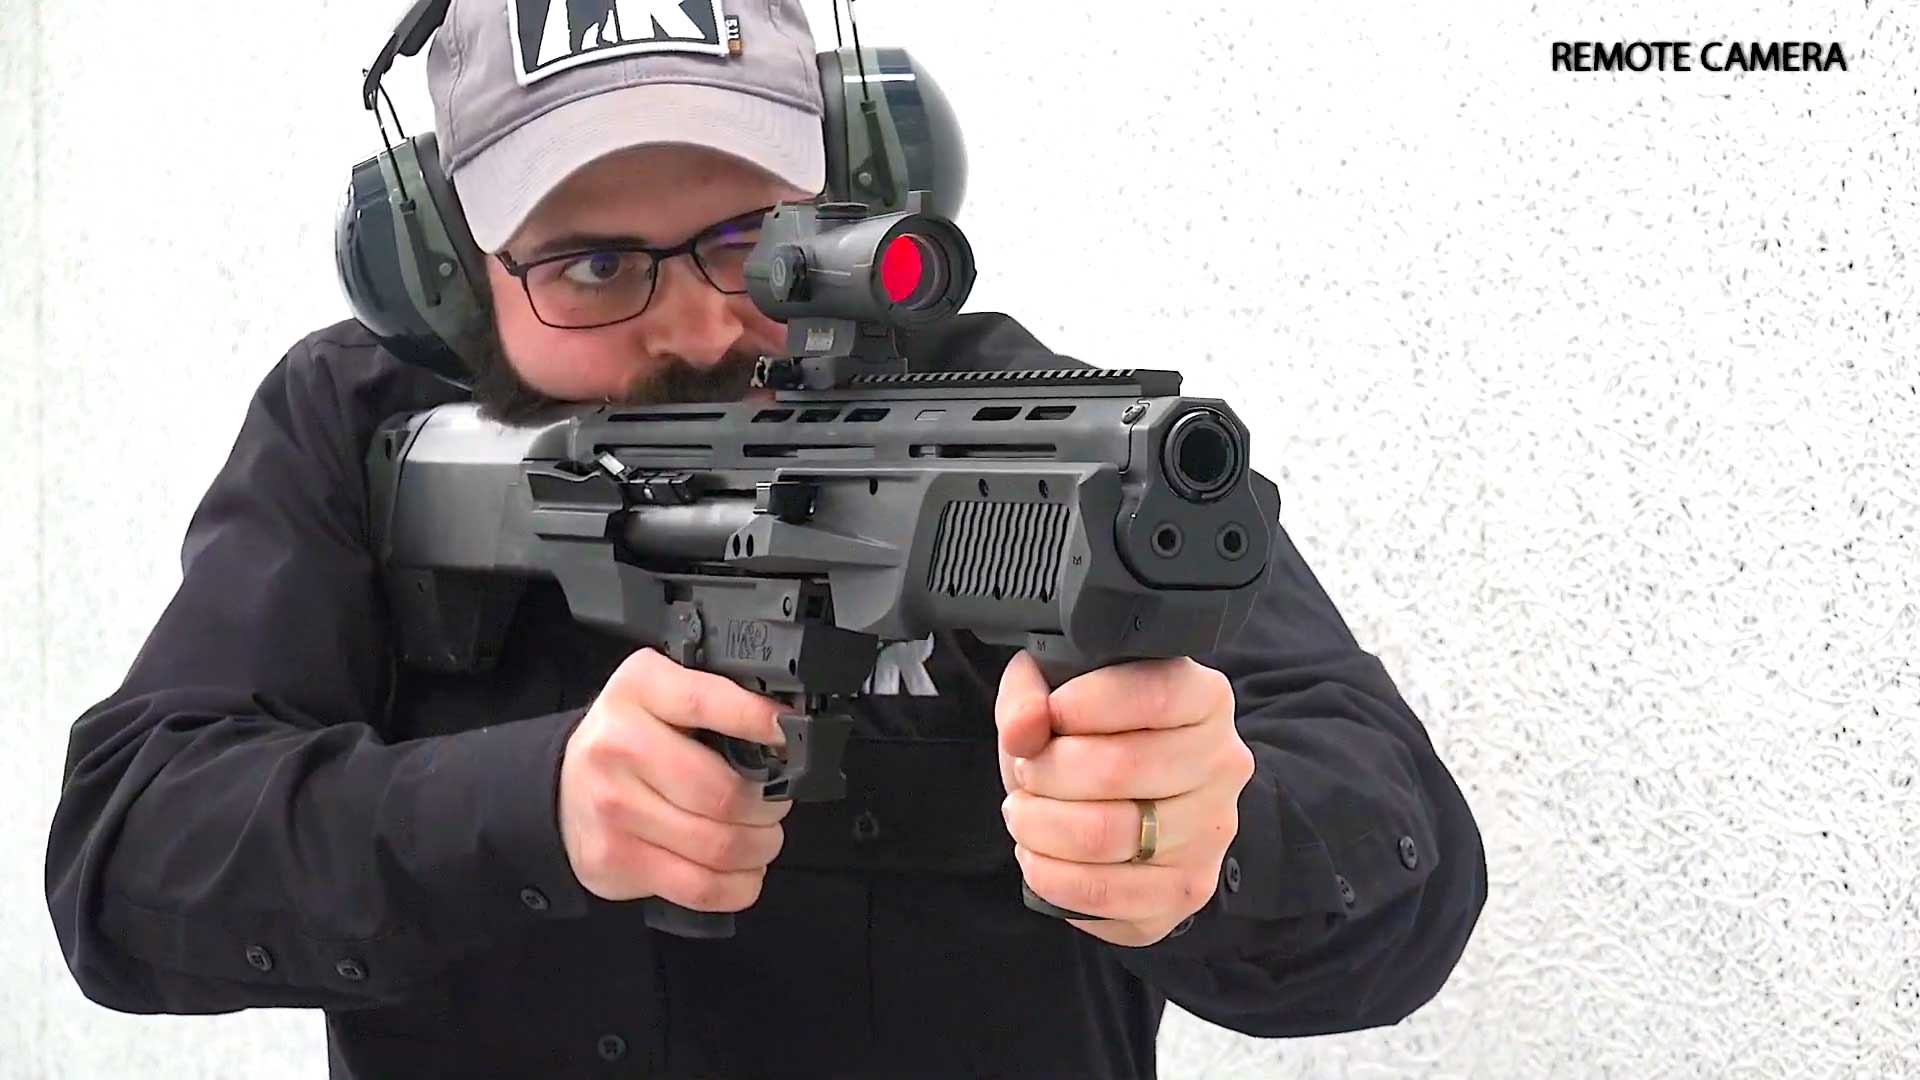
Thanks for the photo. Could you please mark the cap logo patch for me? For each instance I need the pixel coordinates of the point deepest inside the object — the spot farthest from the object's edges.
(550, 36)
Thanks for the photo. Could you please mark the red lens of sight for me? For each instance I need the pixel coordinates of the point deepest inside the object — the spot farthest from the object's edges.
(901, 267)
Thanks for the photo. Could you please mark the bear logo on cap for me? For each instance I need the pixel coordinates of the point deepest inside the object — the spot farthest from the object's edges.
(551, 36)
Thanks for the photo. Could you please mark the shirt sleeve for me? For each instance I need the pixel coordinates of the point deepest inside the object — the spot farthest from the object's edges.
(1358, 874)
(234, 830)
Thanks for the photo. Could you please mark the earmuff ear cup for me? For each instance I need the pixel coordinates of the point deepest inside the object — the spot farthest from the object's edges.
(408, 265)
(928, 132)
(893, 133)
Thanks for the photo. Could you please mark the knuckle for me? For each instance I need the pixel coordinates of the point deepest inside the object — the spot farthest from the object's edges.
(1095, 833)
(705, 891)
(1196, 889)
(630, 668)
(728, 847)
(592, 752)
(606, 802)
(724, 800)
(1242, 760)
(713, 891)
(750, 886)
(600, 752)
(596, 883)
(1109, 767)
(1222, 687)
(638, 669)
(689, 700)
(1093, 890)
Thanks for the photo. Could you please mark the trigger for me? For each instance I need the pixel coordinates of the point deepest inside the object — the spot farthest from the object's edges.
(748, 758)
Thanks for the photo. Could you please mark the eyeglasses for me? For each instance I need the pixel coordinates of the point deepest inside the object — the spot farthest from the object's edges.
(610, 282)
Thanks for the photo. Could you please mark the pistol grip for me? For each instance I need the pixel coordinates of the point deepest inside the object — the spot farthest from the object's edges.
(670, 918)
(1033, 901)
(806, 770)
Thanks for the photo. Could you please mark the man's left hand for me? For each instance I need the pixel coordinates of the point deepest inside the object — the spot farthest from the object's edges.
(1075, 759)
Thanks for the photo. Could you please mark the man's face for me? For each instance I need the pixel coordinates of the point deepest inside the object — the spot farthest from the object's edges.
(692, 343)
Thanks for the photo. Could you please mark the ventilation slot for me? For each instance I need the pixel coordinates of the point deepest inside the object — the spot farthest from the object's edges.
(1005, 550)
(666, 417)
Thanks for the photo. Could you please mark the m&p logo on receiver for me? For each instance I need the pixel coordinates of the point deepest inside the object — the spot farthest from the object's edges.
(550, 36)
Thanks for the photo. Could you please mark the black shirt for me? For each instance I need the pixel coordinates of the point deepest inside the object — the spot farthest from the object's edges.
(271, 812)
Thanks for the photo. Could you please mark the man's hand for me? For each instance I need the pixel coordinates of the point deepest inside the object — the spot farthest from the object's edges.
(647, 811)
(1073, 761)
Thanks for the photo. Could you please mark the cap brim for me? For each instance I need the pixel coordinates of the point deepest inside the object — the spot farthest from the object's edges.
(501, 186)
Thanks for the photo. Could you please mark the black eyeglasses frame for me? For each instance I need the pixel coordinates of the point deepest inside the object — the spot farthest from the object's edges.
(689, 247)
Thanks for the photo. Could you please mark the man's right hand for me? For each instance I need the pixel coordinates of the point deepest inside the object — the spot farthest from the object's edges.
(645, 810)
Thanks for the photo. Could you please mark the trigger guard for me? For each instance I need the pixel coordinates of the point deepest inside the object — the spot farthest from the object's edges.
(809, 771)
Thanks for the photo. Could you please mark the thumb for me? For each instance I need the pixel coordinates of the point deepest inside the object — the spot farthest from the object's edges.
(1023, 712)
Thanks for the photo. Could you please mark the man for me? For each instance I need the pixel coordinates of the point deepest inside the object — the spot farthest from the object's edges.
(271, 812)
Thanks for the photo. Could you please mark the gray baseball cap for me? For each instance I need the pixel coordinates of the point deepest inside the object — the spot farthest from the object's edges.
(527, 92)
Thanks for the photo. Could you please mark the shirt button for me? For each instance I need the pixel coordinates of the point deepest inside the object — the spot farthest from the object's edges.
(1346, 890)
(260, 958)
(1409, 853)
(534, 899)
(612, 1048)
(1233, 874)
(866, 827)
(350, 970)
(1186, 924)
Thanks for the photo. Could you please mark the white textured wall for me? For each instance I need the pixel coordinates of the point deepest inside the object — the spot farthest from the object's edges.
(1592, 399)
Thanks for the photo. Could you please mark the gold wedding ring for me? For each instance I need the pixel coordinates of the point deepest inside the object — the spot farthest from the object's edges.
(1149, 831)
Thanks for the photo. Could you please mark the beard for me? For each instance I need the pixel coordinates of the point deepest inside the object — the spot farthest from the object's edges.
(504, 397)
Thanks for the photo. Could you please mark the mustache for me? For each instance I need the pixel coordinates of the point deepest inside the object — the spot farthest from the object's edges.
(505, 397)
(682, 383)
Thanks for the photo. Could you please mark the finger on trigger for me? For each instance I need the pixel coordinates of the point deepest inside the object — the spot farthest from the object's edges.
(688, 698)
(697, 779)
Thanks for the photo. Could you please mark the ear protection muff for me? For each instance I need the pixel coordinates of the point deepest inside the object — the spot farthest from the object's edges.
(890, 130)
(409, 267)
(414, 277)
